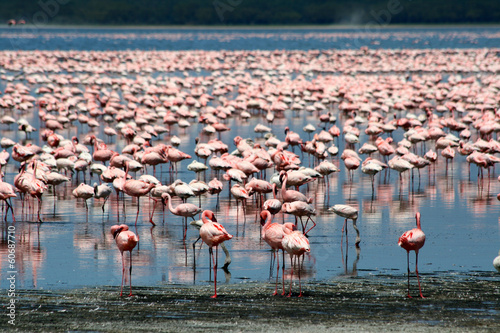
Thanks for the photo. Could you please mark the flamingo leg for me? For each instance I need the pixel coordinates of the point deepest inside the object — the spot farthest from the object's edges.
(300, 284)
(215, 271)
(104, 203)
(277, 271)
(309, 218)
(291, 276)
(137, 216)
(39, 209)
(123, 274)
(418, 278)
(283, 271)
(130, 273)
(153, 212)
(408, 266)
(196, 241)
(344, 227)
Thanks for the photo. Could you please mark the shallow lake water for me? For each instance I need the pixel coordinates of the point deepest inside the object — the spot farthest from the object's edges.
(73, 248)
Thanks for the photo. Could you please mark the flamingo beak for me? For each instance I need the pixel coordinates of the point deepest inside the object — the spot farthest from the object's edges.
(117, 232)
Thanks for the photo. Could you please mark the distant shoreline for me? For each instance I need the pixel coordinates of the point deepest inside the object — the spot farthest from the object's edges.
(257, 27)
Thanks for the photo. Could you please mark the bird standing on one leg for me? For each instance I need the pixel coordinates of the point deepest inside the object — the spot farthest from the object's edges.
(413, 240)
(126, 240)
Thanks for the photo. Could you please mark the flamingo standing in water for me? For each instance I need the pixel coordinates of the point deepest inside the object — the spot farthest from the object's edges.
(213, 234)
(7, 192)
(296, 244)
(347, 212)
(136, 188)
(85, 192)
(184, 209)
(272, 234)
(272, 205)
(125, 240)
(413, 240)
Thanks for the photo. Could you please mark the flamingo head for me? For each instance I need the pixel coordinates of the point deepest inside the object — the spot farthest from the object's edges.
(208, 214)
(116, 229)
(282, 175)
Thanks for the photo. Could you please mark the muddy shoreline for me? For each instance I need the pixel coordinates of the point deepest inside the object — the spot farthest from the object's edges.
(468, 303)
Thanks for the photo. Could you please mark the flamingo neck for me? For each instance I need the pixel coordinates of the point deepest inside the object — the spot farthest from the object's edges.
(283, 185)
(126, 171)
(204, 217)
(169, 202)
(269, 219)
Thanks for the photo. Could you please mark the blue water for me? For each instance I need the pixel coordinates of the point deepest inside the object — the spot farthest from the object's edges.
(71, 249)
(101, 39)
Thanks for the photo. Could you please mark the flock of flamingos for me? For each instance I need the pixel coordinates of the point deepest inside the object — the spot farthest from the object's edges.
(113, 96)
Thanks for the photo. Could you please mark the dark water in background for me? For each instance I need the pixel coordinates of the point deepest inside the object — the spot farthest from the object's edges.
(460, 218)
(67, 38)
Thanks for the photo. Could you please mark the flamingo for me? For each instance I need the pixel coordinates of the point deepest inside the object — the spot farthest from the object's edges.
(413, 240)
(125, 240)
(102, 191)
(85, 192)
(7, 192)
(215, 187)
(296, 244)
(347, 212)
(184, 209)
(213, 234)
(239, 193)
(197, 224)
(400, 165)
(371, 167)
(291, 195)
(496, 262)
(272, 205)
(272, 234)
(28, 183)
(299, 209)
(136, 188)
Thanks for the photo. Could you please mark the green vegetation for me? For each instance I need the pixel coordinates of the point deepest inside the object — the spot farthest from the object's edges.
(250, 12)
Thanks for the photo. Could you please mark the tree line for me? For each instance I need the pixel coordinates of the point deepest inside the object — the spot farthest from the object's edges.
(250, 12)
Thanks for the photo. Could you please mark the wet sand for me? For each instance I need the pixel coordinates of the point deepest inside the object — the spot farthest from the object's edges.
(453, 303)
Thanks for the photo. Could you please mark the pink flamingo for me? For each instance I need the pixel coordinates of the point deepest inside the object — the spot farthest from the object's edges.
(296, 244)
(299, 209)
(7, 192)
(28, 183)
(184, 209)
(136, 188)
(272, 234)
(215, 187)
(213, 234)
(347, 212)
(291, 195)
(85, 192)
(272, 205)
(101, 151)
(413, 240)
(125, 240)
(240, 193)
